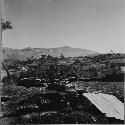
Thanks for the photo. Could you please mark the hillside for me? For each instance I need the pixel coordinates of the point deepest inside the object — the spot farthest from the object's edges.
(22, 54)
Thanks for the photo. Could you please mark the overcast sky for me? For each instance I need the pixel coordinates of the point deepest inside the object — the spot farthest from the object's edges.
(89, 24)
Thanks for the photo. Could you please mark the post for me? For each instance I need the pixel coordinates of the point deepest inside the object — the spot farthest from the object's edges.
(1, 2)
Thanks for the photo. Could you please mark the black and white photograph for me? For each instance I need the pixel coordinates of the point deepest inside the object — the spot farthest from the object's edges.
(62, 62)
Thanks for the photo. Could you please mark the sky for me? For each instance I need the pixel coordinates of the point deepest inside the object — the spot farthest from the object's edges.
(96, 25)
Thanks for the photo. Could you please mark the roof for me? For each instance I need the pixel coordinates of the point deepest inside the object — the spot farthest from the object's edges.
(107, 104)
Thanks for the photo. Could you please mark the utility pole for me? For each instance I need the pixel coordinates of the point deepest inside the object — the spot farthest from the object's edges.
(1, 6)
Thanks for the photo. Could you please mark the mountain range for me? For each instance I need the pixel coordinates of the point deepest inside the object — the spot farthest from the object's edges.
(23, 54)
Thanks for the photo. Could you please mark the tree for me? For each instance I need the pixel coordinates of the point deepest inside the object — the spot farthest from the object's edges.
(62, 56)
(49, 57)
(3, 26)
(6, 25)
(43, 57)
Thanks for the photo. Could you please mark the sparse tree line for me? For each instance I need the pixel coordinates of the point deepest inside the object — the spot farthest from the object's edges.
(48, 67)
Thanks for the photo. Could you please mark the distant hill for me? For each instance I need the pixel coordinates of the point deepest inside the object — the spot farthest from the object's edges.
(22, 54)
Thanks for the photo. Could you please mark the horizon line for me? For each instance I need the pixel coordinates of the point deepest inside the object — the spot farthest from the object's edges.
(111, 51)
